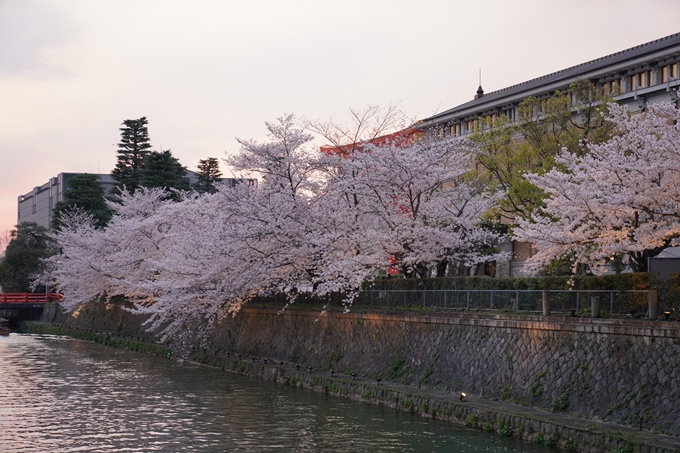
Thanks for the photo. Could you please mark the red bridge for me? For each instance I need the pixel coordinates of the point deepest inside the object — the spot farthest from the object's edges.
(19, 307)
(28, 298)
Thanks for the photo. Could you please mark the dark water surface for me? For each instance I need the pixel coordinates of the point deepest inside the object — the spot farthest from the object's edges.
(63, 395)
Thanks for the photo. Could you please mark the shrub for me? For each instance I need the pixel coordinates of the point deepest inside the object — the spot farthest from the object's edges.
(629, 281)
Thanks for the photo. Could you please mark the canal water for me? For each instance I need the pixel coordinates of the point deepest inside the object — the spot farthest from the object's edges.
(59, 395)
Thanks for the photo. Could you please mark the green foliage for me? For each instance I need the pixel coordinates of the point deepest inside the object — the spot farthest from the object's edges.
(335, 357)
(630, 281)
(208, 174)
(133, 149)
(569, 444)
(506, 392)
(538, 439)
(85, 193)
(562, 402)
(30, 243)
(504, 430)
(163, 170)
(545, 127)
(627, 448)
(397, 369)
(536, 390)
(471, 420)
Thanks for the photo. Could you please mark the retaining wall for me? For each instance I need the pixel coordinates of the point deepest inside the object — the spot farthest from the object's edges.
(623, 371)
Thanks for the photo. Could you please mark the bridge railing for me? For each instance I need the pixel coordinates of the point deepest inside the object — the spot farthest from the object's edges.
(29, 298)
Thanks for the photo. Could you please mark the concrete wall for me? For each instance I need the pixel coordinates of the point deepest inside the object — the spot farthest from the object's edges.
(613, 370)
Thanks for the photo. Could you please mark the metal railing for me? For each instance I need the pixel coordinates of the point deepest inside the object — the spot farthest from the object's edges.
(564, 301)
(28, 298)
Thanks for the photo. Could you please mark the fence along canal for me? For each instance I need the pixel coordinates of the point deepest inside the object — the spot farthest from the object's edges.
(566, 302)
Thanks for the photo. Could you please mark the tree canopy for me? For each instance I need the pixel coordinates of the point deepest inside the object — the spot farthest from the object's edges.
(163, 170)
(619, 199)
(315, 224)
(507, 150)
(133, 149)
(23, 259)
(208, 174)
(83, 192)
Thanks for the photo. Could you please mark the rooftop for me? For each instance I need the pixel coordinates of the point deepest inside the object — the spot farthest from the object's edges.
(566, 74)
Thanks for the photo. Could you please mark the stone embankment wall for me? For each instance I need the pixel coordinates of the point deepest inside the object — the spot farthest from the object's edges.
(624, 371)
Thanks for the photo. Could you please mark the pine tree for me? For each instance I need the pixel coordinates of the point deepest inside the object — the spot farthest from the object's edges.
(85, 193)
(163, 170)
(23, 258)
(133, 149)
(208, 174)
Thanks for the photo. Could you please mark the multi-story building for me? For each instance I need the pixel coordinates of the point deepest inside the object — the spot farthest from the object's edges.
(644, 74)
(37, 205)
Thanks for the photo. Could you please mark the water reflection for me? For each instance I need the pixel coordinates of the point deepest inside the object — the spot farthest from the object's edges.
(64, 395)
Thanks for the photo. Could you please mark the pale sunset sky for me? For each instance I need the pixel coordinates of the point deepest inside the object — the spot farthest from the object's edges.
(206, 71)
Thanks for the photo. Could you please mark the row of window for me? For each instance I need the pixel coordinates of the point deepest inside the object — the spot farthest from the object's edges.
(643, 79)
(466, 127)
(627, 84)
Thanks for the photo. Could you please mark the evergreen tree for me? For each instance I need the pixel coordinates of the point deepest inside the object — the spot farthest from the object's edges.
(133, 149)
(85, 193)
(163, 170)
(208, 174)
(23, 256)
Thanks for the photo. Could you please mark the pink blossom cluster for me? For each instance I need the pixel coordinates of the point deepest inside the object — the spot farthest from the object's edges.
(621, 198)
(314, 224)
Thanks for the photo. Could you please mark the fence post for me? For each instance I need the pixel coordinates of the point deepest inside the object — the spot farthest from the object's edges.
(516, 300)
(546, 302)
(468, 300)
(423, 298)
(595, 306)
(653, 303)
(404, 293)
(491, 300)
(611, 303)
(577, 300)
(444, 299)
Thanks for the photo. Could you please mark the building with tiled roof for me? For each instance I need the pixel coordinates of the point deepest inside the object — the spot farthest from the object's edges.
(647, 73)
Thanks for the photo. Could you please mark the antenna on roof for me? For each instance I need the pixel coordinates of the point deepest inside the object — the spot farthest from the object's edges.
(480, 91)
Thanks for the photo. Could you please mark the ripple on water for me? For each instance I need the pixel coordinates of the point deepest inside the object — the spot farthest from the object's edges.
(63, 395)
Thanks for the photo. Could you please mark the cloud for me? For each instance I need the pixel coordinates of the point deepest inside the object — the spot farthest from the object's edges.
(29, 30)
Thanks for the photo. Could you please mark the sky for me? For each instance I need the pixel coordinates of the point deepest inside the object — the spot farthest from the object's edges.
(207, 72)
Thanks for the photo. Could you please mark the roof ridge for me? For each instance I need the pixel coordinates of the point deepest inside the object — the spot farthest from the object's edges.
(639, 46)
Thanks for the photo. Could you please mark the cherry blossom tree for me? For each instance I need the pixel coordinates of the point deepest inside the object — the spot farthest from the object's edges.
(315, 224)
(414, 203)
(621, 198)
(364, 125)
